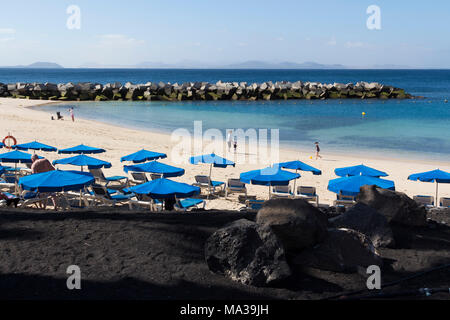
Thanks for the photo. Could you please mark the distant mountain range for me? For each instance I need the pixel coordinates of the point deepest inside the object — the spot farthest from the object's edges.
(190, 64)
(284, 65)
(38, 65)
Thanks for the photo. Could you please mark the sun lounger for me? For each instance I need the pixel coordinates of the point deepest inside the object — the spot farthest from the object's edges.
(7, 187)
(156, 176)
(138, 178)
(281, 192)
(345, 201)
(189, 204)
(205, 182)
(116, 182)
(444, 202)
(235, 186)
(307, 193)
(143, 201)
(102, 196)
(253, 205)
(33, 198)
(427, 201)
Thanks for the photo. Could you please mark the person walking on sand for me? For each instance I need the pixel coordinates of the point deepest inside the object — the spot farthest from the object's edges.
(235, 144)
(229, 139)
(318, 151)
(71, 114)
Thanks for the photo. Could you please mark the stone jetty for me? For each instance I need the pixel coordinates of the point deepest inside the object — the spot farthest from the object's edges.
(153, 91)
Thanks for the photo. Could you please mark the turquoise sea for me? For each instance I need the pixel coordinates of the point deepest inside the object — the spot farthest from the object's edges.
(418, 128)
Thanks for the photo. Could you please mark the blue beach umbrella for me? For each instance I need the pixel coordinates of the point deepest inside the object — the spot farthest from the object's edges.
(350, 186)
(164, 189)
(156, 167)
(214, 161)
(34, 146)
(299, 166)
(16, 157)
(143, 156)
(56, 181)
(1, 145)
(81, 149)
(270, 176)
(84, 161)
(437, 176)
(360, 170)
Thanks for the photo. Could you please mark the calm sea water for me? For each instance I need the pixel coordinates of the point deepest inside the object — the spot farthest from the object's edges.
(407, 128)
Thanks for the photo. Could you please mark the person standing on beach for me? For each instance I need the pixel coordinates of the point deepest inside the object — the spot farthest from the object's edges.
(318, 151)
(229, 139)
(235, 144)
(71, 114)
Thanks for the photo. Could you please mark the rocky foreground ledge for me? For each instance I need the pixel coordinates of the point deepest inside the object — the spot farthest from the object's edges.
(200, 91)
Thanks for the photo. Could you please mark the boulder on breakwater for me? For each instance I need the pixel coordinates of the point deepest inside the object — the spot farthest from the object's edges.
(283, 90)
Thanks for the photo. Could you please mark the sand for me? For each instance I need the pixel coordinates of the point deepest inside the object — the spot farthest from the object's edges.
(27, 125)
(134, 256)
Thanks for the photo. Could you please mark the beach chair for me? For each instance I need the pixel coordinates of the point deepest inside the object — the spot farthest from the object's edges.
(189, 204)
(444, 202)
(11, 201)
(138, 178)
(253, 205)
(116, 182)
(206, 182)
(7, 187)
(103, 196)
(156, 176)
(144, 201)
(281, 192)
(235, 186)
(307, 193)
(345, 201)
(427, 201)
(28, 199)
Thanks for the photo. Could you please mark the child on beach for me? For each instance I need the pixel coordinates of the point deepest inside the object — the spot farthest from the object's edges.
(229, 139)
(318, 151)
(71, 114)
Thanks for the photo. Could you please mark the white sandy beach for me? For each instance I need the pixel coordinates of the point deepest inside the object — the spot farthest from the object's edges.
(28, 125)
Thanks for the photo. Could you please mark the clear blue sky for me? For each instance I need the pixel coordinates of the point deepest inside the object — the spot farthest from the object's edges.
(414, 33)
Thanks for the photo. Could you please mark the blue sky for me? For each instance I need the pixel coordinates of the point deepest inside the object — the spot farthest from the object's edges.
(413, 33)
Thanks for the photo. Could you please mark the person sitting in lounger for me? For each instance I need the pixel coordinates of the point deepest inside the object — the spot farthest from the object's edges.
(42, 166)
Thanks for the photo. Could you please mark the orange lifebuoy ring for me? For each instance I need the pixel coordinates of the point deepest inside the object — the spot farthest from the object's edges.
(9, 138)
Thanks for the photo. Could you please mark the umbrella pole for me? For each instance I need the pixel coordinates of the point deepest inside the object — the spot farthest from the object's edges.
(210, 181)
(81, 190)
(295, 184)
(15, 179)
(436, 204)
(270, 192)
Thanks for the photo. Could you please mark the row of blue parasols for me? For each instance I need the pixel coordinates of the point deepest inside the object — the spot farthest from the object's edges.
(352, 178)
